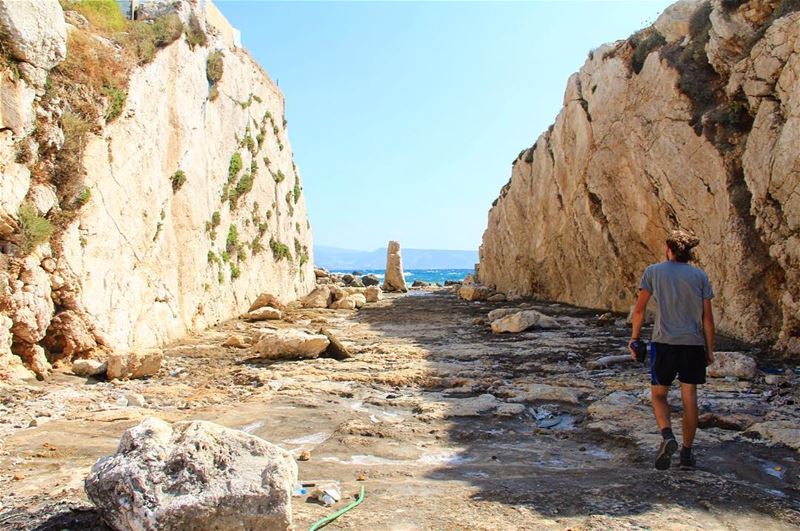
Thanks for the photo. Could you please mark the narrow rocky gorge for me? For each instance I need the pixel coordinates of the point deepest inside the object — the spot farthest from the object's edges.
(692, 123)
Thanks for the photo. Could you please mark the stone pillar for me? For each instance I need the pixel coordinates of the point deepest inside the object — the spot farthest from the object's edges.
(394, 279)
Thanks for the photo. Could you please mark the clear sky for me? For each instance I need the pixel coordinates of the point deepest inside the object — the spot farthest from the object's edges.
(405, 117)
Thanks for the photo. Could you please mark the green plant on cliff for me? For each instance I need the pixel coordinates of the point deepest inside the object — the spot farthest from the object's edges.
(235, 273)
(195, 36)
(296, 191)
(644, 43)
(68, 171)
(143, 38)
(215, 219)
(279, 250)
(215, 66)
(233, 238)
(116, 102)
(178, 180)
(279, 176)
(83, 197)
(104, 15)
(234, 167)
(34, 229)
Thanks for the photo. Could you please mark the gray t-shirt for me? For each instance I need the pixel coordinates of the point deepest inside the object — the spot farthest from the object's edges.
(679, 289)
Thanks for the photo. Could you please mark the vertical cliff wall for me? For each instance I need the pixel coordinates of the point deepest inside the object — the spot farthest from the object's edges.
(173, 199)
(690, 123)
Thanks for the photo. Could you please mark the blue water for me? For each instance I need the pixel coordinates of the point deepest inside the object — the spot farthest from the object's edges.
(428, 275)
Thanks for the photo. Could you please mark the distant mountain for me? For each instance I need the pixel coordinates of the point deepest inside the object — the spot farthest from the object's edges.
(337, 259)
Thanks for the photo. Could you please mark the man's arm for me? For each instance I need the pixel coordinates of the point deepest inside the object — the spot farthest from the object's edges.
(708, 330)
(638, 317)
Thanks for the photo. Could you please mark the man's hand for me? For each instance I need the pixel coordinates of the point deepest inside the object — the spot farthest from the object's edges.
(709, 357)
(630, 347)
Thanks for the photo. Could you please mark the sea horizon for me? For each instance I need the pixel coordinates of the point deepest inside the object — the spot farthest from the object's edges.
(426, 275)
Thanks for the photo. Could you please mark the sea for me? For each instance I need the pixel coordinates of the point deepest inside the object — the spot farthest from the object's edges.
(427, 275)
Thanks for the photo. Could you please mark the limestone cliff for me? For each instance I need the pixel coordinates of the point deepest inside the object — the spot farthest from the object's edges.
(148, 183)
(693, 122)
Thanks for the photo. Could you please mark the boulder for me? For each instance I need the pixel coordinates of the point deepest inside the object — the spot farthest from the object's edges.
(193, 475)
(350, 302)
(673, 23)
(357, 283)
(474, 292)
(289, 344)
(266, 299)
(778, 431)
(394, 279)
(500, 312)
(615, 405)
(35, 31)
(497, 297)
(373, 293)
(319, 298)
(523, 320)
(321, 273)
(88, 367)
(133, 364)
(68, 336)
(43, 197)
(546, 393)
(336, 348)
(348, 279)
(734, 364)
(370, 280)
(452, 283)
(236, 341)
(420, 284)
(265, 313)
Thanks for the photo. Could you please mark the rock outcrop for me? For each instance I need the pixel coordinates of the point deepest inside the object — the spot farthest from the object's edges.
(394, 279)
(148, 192)
(691, 123)
(193, 475)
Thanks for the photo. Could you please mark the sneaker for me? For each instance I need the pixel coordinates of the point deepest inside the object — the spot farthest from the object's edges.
(687, 462)
(665, 451)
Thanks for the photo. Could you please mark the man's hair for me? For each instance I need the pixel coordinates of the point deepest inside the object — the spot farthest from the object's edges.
(681, 244)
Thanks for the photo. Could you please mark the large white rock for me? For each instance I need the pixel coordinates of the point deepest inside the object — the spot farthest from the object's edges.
(673, 23)
(11, 367)
(520, 321)
(35, 31)
(474, 292)
(133, 364)
(193, 475)
(88, 367)
(319, 298)
(778, 431)
(373, 293)
(394, 279)
(736, 364)
(265, 313)
(290, 343)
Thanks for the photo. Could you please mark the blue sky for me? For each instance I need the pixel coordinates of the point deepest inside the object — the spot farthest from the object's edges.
(404, 117)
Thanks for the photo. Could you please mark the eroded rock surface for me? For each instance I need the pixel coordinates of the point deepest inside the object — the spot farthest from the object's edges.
(653, 137)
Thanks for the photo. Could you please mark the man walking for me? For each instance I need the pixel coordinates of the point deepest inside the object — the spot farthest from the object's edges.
(683, 340)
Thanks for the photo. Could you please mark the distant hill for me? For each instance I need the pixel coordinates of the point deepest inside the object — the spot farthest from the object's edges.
(337, 259)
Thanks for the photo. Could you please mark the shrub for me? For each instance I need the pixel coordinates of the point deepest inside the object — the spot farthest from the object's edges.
(279, 250)
(220, 277)
(249, 143)
(226, 257)
(68, 171)
(195, 36)
(262, 228)
(104, 15)
(644, 43)
(213, 93)
(34, 229)
(298, 247)
(256, 247)
(215, 66)
(253, 167)
(166, 29)
(233, 238)
(92, 63)
(83, 197)
(215, 219)
(116, 102)
(235, 273)
(303, 258)
(296, 191)
(245, 184)
(178, 180)
(279, 177)
(234, 167)
(212, 257)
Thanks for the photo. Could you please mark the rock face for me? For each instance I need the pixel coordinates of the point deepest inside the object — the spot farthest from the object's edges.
(35, 30)
(193, 475)
(187, 203)
(693, 129)
(394, 279)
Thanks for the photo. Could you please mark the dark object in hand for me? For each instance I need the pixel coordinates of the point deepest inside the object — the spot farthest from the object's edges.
(640, 348)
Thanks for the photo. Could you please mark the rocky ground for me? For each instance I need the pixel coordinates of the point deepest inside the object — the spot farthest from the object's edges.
(446, 425)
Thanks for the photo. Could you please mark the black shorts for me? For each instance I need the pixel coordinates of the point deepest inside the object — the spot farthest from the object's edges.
(688, 362)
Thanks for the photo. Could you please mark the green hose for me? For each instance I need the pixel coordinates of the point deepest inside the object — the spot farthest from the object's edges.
(328, 519)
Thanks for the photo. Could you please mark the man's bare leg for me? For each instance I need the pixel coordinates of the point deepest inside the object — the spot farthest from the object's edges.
(658, 395)
(689, 399)
(668, 446)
